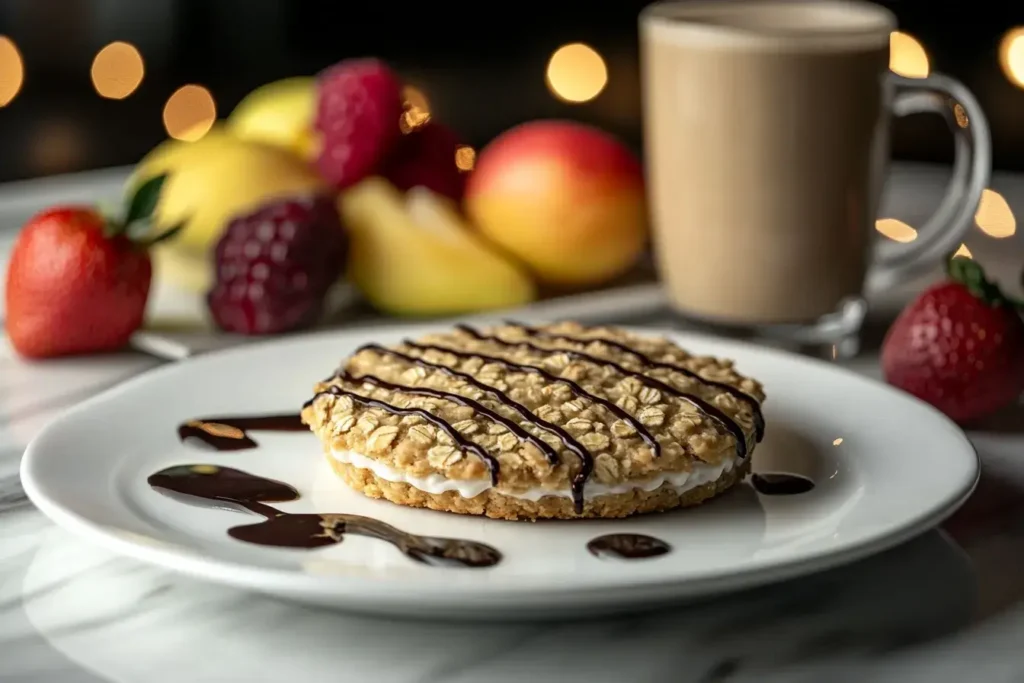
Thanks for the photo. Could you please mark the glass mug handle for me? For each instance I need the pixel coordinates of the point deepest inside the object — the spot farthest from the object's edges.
(972, 164)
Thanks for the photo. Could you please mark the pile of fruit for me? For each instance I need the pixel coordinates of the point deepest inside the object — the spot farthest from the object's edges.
(344, 177)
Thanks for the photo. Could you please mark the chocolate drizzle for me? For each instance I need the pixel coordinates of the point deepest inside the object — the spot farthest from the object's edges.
(231, 433)
(224, 487)
(711, 411)
(521, 434)
(461, 441)
(522, 411)
(647, 361)
(780, 484)
(579, 391)
(628, 546)
(571, 444)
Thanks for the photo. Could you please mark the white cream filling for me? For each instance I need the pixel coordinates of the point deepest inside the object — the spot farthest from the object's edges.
(701, 473)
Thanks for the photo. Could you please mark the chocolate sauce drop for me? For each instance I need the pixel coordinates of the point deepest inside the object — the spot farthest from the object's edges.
(231, 433)
(628, 546)
(222, 488)
(287, 531)
(780, 484)
(225, 487)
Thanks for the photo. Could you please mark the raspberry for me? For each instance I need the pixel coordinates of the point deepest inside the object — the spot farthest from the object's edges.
(426, 158)
(359, 106)
(275, 265)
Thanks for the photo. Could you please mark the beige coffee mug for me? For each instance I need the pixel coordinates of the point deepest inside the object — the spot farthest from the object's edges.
(766, 126)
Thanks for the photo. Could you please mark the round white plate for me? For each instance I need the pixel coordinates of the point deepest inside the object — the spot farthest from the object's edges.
(886, 467)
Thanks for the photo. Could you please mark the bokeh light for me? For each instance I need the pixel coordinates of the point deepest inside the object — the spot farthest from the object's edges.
(189, 113)
(117, 70)
(12, 71)
(895, 230)
(963, 251)
(907, 56)
(576, 73)
(994, 216)
(465, 157)
(1011, 55)
(417, 109)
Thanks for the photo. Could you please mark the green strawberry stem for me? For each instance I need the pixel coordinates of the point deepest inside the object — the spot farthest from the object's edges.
(971, 275)
(136, 218)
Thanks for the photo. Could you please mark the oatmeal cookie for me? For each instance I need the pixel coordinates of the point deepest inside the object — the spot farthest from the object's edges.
(554, 421)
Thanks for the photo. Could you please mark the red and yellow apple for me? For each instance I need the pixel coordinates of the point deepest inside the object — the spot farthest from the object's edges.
(564, 198)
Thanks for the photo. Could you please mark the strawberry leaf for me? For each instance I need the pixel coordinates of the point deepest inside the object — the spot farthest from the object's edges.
(143, 202)
(971, 275)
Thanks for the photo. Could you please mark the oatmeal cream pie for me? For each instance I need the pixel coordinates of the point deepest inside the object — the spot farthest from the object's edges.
(558, 421)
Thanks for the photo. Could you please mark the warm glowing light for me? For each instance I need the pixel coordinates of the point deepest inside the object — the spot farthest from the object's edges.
(1011, 55)
(837, 441)
(465, 157)
(895, 230)
(907, 56)
(994, 216)
(12, 71)
(117, 70)
(417, 109)
(963, 251)
(576, 73)
(189, 113)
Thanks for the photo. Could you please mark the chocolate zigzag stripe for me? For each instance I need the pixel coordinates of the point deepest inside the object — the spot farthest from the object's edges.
(755, 405)
(461, 441)
(586, 460)
(645, 435)
(508, 424)
(711, 411)
(522, 411)
(571, 444)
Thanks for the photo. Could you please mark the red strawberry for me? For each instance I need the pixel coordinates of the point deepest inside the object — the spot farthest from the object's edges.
(77, 282)
(275, 265)
(958, 346)
(359, 107)
(427, 157)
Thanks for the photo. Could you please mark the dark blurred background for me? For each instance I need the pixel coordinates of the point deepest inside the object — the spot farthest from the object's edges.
(481, 65)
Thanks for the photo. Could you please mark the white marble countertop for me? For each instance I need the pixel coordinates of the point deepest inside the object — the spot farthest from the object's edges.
(948, 606)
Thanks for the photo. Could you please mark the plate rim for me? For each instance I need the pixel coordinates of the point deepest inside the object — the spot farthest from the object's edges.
(318, 587)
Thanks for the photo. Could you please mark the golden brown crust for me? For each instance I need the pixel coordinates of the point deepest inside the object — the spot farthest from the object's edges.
(498, 506)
